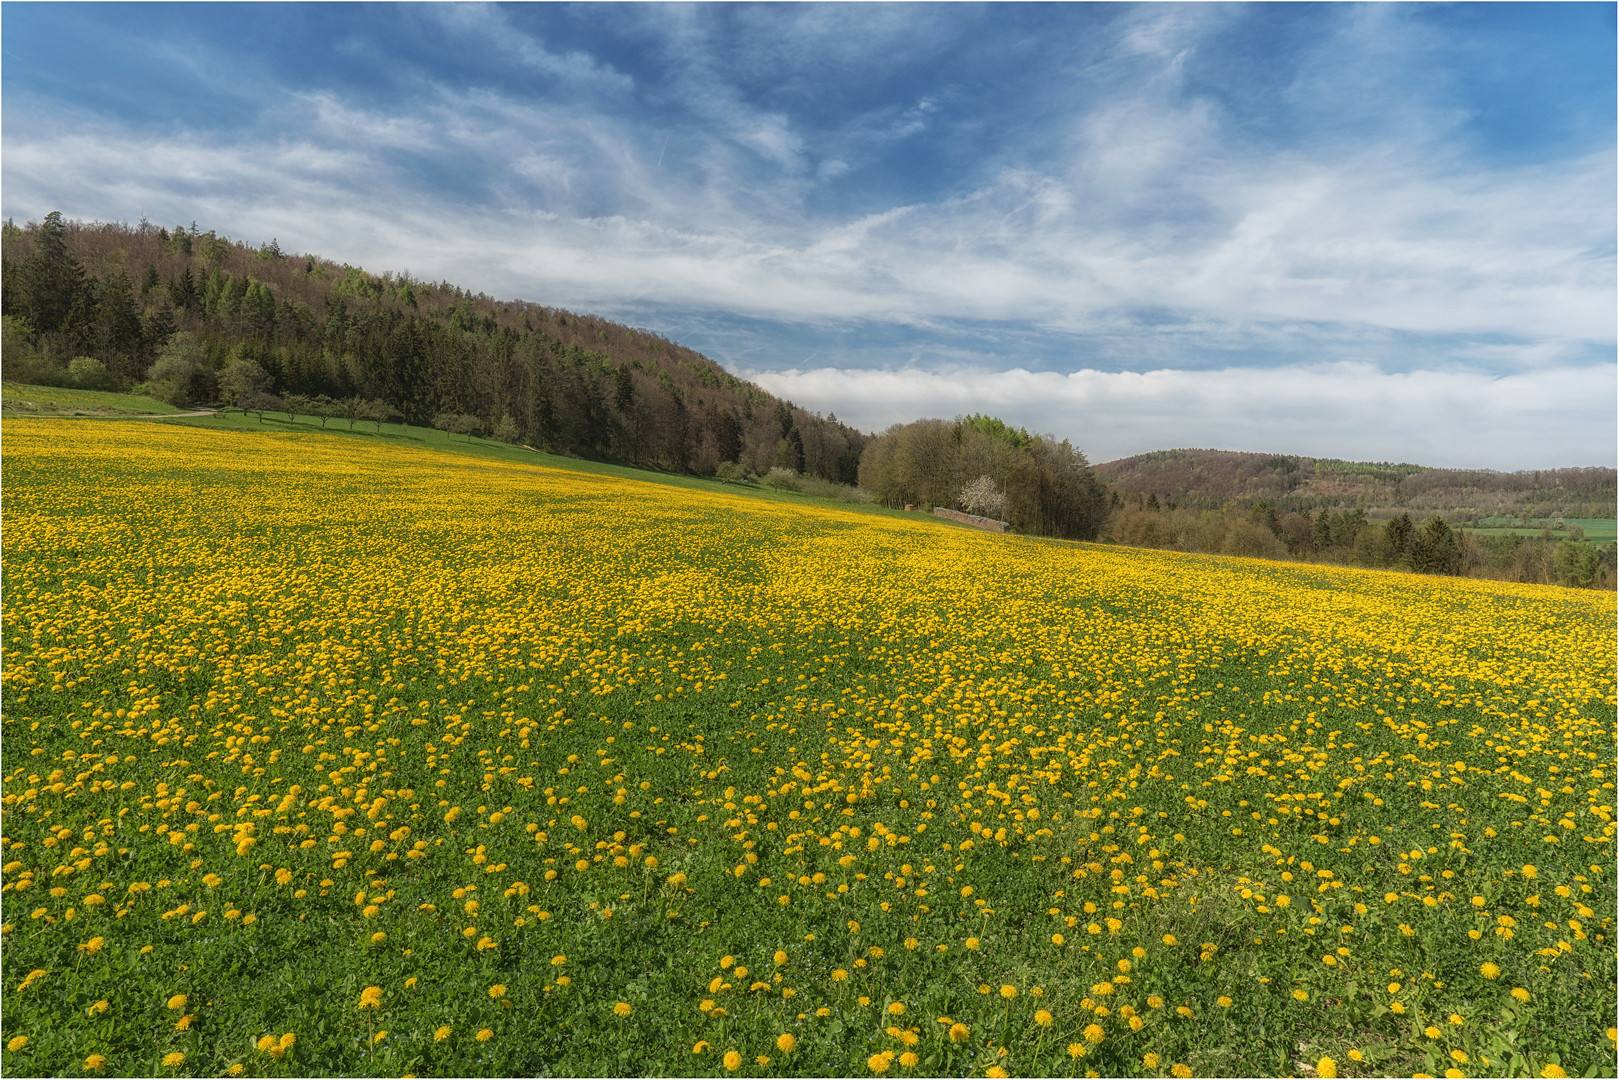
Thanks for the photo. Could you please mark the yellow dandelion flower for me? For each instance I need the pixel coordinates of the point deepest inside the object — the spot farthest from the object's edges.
(959, 1033)
(174, 1060)
(95, 1061)
(1042, 1017)
(177, 1002)
(1150, 1060)
(732, 1061)
(877, 1063)
(786, 1042)
(16, 1043)
(1327, 1068)
(622, 1009)
(484, 1035)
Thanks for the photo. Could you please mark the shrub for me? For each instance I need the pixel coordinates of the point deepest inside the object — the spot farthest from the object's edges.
(242, 378)
(87, 372)
(783, 479)
(183, 366)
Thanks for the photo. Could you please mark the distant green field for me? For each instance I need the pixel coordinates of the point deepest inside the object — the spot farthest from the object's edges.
(21, 399)
(1597, 530)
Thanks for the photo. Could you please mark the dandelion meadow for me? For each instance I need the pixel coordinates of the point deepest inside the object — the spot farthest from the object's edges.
(323, 757)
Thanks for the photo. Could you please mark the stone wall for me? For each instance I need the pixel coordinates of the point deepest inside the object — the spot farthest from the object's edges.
(970, 519)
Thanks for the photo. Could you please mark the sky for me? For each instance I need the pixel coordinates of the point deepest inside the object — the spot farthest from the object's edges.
(1381, 232)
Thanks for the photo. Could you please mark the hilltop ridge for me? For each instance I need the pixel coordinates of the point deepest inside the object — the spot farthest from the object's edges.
(1213, 479)
(180, 307)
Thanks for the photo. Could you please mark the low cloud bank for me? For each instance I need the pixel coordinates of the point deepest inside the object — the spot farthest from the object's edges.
(1460, 418)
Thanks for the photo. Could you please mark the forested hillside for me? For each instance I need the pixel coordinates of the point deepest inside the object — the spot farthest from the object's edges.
(1211, 479)
(200, 317)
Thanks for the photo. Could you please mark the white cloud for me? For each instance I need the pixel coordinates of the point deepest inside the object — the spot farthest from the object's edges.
(1561, 416)
(1379, 242)
(1139, 224)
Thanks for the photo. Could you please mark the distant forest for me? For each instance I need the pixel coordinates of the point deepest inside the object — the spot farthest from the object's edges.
(1214, 479)
(1349, 513)
(194, 317)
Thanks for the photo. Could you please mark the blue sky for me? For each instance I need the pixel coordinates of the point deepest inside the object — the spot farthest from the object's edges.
(1381, 232)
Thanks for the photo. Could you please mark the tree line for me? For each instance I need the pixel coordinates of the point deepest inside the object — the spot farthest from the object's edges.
(1212, 479)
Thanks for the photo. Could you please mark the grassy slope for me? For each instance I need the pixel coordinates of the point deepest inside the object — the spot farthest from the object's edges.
(20, 399)
(406, 435)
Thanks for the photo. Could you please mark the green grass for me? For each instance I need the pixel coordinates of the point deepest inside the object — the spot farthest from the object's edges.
(1597, 530)
(21, 399)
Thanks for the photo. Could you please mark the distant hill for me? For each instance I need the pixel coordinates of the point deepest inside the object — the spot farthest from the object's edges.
(189, 312)
(1215, 479)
